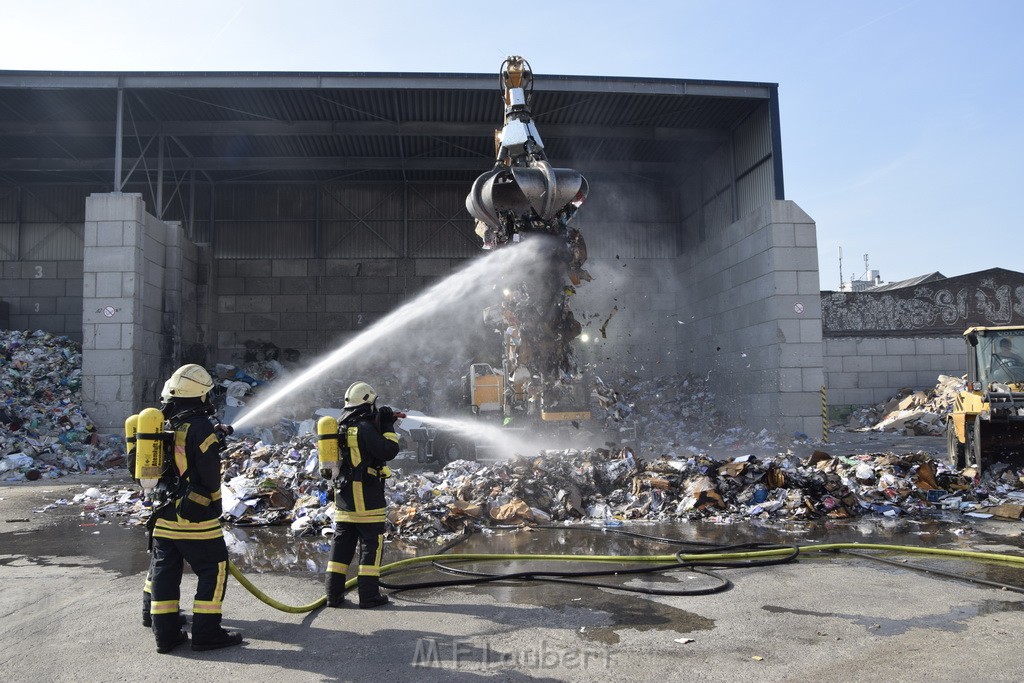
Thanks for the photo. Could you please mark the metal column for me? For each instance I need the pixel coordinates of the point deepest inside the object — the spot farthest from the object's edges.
(118, 145)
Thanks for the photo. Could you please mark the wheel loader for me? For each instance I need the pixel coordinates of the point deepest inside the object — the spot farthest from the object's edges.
(987, 421)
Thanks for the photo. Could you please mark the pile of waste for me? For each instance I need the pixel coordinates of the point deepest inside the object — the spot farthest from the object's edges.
(596, 485)
(911, 412)
(43, 431)
(279, 485)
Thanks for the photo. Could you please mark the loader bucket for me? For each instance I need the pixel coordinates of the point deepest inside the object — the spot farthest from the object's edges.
(539, 187)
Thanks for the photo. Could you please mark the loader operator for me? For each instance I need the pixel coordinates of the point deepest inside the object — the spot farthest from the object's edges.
(187, 527)
(369, 441)
(1005, 353)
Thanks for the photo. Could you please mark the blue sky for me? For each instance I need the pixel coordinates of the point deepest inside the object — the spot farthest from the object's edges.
(901, 120)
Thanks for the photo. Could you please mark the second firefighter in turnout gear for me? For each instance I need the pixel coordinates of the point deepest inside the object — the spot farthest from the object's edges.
(186, 528)
(367, 441)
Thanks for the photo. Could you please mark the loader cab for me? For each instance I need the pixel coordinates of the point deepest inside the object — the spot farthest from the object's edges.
(987, 419)
(996, 355)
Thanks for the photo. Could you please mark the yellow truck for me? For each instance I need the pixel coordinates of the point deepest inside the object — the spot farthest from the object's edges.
(987, 420)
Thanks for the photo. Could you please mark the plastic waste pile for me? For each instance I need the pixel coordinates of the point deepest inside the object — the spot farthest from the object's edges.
(601, 485)
(43, 431)
(279, 485)
(275, 484)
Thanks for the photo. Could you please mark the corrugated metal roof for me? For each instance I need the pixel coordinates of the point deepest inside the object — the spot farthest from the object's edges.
(257, 127)
(909, 282)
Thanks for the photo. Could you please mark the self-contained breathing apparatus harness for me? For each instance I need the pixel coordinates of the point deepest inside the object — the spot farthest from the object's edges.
(172, 486)
(335, 454)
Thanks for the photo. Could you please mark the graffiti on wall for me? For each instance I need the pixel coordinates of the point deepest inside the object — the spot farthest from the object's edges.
(945, 306)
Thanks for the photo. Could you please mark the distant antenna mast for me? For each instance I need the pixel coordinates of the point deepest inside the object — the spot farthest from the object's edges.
(840, 268)
(867, 273)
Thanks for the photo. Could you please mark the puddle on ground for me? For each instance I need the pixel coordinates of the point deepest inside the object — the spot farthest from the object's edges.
(88, 539)
(76, 541)
(954, 620)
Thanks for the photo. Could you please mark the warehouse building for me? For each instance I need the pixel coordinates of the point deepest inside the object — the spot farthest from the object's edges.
(169, 217)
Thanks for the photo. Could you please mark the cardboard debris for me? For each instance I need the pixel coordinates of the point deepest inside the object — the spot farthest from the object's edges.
(910, 412)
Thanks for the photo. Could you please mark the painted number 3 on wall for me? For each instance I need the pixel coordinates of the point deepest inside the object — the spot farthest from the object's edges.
(39, 272)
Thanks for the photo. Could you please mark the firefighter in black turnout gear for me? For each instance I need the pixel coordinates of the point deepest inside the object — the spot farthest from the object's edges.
(367, 441)
(186, 527)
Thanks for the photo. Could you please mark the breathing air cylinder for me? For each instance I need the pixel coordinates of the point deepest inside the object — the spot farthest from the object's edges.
(149, 449)
(131, 426)
(327, 447)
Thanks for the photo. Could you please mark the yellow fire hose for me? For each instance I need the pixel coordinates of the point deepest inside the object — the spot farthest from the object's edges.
(653, 559)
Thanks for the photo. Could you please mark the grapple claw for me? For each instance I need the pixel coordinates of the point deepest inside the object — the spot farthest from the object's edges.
(538, 187)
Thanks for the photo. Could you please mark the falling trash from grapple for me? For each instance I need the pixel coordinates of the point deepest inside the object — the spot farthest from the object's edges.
(524, 197)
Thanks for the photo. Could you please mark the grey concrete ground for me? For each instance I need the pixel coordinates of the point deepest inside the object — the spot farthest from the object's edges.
(69, 611)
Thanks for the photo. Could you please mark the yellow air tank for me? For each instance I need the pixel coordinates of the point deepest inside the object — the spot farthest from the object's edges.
(131, 426)
(327, 447)
(149, 448)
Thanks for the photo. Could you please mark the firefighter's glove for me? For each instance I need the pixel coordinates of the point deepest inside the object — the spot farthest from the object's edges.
(387, 419)
(330, 472)
(223, 430)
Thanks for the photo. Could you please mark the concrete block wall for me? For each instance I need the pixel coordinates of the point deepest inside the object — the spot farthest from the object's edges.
(43, 295)
(868, 370)
(196, 309)
(161, 303)
(133, 289)
(753, 318)
(310, 305)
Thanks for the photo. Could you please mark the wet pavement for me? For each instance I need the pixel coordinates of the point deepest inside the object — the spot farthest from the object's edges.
(66, 537)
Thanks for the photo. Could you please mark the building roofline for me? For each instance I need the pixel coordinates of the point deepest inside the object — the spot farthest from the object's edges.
(344, 80)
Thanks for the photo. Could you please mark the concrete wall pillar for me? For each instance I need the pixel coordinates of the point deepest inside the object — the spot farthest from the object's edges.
(112, 307)
(753, 316)
(133, 289)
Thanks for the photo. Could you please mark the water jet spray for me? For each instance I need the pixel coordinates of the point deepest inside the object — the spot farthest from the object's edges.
(472, 281)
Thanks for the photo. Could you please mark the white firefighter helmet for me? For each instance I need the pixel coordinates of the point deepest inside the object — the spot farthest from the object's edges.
(189, 381)
(360, 393)
(165, 393)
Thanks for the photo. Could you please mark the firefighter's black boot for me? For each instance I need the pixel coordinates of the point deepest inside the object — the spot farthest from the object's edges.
(168, 645)
(168, 633)
(335, 584)
(369, 593)
(207, 633)
(222, 639)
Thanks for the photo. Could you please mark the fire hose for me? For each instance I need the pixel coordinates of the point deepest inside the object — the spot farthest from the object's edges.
(697, 561)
